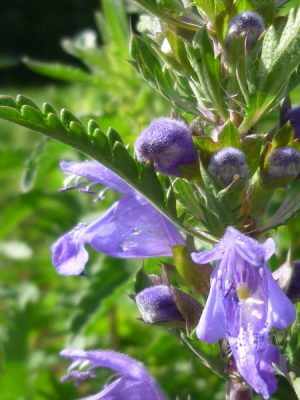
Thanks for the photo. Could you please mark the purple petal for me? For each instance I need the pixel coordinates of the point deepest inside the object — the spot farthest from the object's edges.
(282, 311)
(269, 247)
(113, 360)
(68, 253)
(135, 382)
(96, 172)
(204, 257)
(212, 324)
(132, 228)
(254, 357)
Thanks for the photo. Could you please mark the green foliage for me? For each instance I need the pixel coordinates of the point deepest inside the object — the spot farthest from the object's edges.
(229, 98)
(279, 53)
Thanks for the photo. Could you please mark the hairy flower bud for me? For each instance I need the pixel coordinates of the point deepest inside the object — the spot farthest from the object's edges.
(293, 116)
(247, 24)
(167, 143)
(157, 304)
(227, 163)
(283, 163)
(162, 304)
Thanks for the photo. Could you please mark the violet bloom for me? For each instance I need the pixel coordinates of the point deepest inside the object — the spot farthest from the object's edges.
(131, 228)
(133, 380)
(168, 144)
(243, 305)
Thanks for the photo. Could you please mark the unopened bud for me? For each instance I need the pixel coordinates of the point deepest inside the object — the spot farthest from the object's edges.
(165, 305)
(248, 24)
(228, 163)
(283, 163)
(157, 304)
(167, 143)
(293, 116)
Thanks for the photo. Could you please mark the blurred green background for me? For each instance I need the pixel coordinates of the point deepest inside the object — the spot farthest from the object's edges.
(76, 57)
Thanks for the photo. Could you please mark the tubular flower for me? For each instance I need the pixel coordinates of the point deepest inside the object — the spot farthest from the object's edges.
(131, 228)
(133, 381)
(243, 305)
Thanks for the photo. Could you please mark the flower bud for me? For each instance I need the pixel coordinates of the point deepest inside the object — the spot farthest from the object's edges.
(247, 24)
(162, 304)
(227, 163)
(282, 164)
(156, 304)
(167, 143)
(293, 116)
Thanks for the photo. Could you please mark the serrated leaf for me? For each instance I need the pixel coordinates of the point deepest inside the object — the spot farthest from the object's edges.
(172, 12)
(95, 146)
(113, 137)
(47, 109)
(124, 161)
(208, 70)
(272, 82)
(26, 101)
(33, 115)
(173, 87)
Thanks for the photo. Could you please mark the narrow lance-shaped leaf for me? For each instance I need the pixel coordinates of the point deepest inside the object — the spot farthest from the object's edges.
(94, 143)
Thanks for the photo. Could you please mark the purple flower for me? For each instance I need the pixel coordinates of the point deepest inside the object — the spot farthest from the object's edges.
(132, 382)
(168, 144)
(243, 305)
(131, 228)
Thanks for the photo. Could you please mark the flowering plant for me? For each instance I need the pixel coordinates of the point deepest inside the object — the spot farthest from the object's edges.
(201, 188)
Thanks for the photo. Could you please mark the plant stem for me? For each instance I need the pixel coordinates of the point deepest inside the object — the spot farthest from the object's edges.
(238, 390)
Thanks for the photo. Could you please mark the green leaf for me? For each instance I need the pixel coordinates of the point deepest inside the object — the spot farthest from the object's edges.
(289, 209)
(278, 55)
(208, 70)
(229, 136)
(283, 137)
(148, 64)
(173, 13)
(196, 276)
(107, 149)
(116, 20)
(62, 72)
